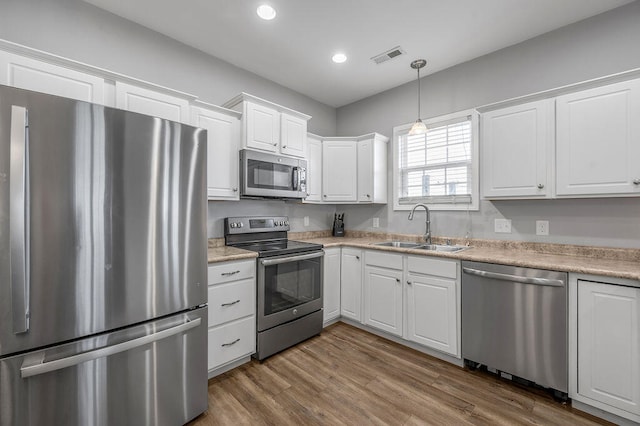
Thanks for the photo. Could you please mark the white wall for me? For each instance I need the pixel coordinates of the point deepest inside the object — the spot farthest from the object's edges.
(602, 45)
(77, 30)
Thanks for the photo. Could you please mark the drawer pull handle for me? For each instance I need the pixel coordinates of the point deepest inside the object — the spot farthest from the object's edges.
(226, 274)
(232, 343)
(231, 303)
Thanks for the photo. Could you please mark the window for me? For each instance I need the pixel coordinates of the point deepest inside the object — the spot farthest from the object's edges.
(440, 168)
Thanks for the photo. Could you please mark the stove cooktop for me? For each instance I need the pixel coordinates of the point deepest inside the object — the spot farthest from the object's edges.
(280, 247)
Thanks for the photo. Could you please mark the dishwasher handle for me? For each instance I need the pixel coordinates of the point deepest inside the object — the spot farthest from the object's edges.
(514, 278)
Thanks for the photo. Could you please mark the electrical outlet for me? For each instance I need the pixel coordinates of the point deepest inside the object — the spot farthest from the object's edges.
(542, 227)
(306, 221)
(502, 226)
(376, 222)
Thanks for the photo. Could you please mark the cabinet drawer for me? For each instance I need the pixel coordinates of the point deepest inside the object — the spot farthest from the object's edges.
(231, 271)
(437, 267)
(231, 301)
(231, 341)
(383, 260)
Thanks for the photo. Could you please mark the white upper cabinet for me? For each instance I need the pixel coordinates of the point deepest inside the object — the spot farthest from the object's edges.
(339, 171)
(293, 135)
(517, 147)
(150, 102)
(270, 127)
(314, 169)
(223, 143)
(262, 127)
(598, 141)
(32, 74)
(372, 168)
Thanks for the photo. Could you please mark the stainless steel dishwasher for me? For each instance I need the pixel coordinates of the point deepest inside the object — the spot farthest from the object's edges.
(514, 320)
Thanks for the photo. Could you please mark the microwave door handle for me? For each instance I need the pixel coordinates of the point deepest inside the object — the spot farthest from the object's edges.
(19, 217)
(296, 178)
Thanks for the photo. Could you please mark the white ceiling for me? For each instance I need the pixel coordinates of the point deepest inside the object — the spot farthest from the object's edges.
(295, 48)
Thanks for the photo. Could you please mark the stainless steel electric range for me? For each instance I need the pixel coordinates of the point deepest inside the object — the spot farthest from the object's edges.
(289, 281)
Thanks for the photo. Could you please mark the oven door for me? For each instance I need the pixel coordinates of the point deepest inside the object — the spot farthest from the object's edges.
(289, 287)
(268, 175)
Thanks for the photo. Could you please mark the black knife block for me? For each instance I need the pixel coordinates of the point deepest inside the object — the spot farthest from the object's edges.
(338, 226)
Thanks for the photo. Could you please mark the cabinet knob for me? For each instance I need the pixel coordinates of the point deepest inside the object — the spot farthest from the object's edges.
(408, 282)
(357, 257)
(284, 146)
(368, 196)
(235, 189)
(636, 181)
(540, 185)
(325, 195)
(275, 144)
(397, 280)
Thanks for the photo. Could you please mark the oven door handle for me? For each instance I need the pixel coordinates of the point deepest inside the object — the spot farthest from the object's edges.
(269, 262)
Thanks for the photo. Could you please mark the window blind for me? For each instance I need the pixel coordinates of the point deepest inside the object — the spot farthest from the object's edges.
(436, 167)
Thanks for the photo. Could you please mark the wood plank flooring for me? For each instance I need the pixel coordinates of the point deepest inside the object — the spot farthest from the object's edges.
(347, 376)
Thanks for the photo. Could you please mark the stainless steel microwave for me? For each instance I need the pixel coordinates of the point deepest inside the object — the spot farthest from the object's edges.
(264, 175)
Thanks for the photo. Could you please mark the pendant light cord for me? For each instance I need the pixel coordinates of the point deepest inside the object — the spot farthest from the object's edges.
(419, 94)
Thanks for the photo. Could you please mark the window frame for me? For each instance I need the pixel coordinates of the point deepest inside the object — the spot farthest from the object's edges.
(475, 161)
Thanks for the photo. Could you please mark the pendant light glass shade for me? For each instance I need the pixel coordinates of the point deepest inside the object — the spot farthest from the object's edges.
(418, 128)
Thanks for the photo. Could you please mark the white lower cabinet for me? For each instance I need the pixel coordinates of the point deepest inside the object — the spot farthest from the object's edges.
(232, 313)
(331, 284)
(351, 284)
(433, 309)
(383, 291)
(605, 345)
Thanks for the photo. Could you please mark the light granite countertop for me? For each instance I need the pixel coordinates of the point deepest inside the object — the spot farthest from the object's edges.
(611, 262)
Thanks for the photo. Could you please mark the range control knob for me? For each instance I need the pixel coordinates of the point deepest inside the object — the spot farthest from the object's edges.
(286, 223)
(240, 225)
(232, 225)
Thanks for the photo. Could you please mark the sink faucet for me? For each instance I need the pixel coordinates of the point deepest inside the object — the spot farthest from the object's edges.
(427, 232)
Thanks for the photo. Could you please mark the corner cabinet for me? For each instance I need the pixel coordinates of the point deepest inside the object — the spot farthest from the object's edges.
(605, 344)
(517, 151)
(331, 285)
(223, 143)
(232, 314)
(339, 173)
(270, 127)
(598, 141)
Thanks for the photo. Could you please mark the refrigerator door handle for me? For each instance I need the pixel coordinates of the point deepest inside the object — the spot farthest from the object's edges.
(19, 217)
(33, 365)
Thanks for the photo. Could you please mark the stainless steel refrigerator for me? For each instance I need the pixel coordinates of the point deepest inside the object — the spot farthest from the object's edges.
(103, 269)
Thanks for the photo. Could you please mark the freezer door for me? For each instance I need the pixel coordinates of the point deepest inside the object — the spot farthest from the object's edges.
(150, 374)
(102, 219)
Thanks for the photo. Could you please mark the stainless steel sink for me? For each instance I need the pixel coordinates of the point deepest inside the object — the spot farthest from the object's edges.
(422, 246)
(399, 244)
(441, 247)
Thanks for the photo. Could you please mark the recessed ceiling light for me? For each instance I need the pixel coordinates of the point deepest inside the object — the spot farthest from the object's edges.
(266, 12)
(339, 58)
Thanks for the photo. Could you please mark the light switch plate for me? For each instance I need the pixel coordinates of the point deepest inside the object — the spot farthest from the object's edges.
(376, 222)
(306, 221)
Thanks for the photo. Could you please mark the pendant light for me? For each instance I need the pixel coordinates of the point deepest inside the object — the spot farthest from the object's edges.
(418, 127)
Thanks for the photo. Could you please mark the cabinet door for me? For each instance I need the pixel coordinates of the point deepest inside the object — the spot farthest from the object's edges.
(339, 175)
(150, 102)
(314, 169)
(598, 141)
(383, 299)
(262, 127)
(331, 287)
(31, 74)
(293, 138)
(365, 171)
(351, 284)
(609, 344)
(223, 143)
(432, 312)
(516, 146)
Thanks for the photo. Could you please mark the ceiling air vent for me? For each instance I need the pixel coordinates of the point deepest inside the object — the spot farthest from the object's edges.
(389, 54)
